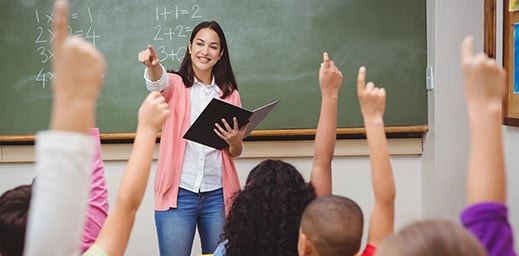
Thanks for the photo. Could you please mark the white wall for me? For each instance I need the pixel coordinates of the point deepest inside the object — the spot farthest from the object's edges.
(446, 146)
(445, 154)
(351, 177)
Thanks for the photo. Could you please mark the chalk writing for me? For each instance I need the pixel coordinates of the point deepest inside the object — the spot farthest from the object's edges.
(44, 36)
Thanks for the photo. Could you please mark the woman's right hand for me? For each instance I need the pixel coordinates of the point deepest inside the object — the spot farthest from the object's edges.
(149, 57)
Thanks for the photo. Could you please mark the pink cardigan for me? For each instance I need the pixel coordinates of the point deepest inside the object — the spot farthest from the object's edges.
(98, 198)
(172, 148)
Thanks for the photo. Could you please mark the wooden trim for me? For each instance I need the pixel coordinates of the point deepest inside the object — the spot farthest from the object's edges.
(506, 37)
(489, 42)
(253, 150)
(511, 100)
(279, 134)
(511, 121)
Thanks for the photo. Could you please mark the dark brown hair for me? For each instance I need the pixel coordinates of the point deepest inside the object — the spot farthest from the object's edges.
(222, 70)
(14, 210)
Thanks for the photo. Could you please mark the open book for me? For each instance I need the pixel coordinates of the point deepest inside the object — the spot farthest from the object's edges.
(201, 130)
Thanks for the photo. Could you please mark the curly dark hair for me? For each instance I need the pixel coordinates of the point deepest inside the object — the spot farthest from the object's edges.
(265, 215)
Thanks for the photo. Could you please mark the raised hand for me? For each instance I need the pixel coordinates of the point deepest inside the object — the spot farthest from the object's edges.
(372, 102)
(149, 57)
(330, 80)
(372, 99)
(153, 112)
(485, 87)
(485, 81)
(79, 68)
(330, 77)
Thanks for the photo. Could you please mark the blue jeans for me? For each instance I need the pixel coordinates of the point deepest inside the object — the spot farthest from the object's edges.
(176, 226)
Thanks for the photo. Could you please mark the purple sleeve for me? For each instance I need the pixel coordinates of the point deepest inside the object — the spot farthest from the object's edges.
(489, 223)
(98, 198)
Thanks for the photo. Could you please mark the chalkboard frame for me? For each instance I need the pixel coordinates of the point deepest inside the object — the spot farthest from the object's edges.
(416, 131)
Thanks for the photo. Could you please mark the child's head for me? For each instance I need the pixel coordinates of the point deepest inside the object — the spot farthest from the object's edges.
(264, 218)
(14, 210)
(207, 51)
(330, 226)
(429, 238)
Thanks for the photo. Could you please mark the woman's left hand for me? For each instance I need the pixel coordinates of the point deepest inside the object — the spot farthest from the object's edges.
(232, 135)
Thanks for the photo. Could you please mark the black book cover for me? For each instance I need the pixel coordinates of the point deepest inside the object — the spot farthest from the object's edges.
(202, 129)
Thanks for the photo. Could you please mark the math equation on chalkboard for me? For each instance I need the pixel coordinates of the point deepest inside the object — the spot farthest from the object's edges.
(173, 27)
(44, 36)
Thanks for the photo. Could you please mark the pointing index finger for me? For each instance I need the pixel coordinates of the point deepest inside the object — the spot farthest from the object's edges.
(326, 59)
(467, 49)
(361, 79)
(60, 24)
(152, 51)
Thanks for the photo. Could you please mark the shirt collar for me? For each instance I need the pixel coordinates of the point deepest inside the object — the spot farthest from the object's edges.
(212, 85)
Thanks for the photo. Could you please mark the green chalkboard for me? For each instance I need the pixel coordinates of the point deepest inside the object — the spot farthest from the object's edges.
(275, 48)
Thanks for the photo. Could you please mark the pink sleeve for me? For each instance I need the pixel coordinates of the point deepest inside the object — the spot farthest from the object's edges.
(98, 198)
(233, 98)
(174, 81)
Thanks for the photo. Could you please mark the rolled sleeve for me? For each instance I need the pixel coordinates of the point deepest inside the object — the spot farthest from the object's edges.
(158, 85)
(60, 194)
(489, 223)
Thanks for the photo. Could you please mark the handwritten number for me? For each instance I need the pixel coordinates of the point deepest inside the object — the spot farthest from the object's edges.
(156, 38)
(196, 9)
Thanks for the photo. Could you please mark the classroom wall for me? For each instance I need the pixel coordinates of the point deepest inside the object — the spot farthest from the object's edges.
(446, 144)
(351, 177)
(444, 159)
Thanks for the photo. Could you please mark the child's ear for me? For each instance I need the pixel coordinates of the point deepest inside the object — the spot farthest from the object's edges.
(304, 246)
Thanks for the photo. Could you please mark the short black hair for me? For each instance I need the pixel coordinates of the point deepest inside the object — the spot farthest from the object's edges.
(334, 225)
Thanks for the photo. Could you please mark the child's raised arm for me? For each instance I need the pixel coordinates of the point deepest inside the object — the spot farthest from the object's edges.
(64, 155)
(372, 103)
(486, 216)
(330, 79)
(485, 84)
(115, 233)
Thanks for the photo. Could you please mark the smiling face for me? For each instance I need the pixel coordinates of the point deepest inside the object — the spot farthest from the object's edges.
(205, 51)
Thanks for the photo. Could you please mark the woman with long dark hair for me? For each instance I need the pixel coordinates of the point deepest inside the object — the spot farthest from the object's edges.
(194, 183)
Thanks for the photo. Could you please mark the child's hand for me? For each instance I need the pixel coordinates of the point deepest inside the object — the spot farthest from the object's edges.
(371, 98)
(330, 77)
(485, 81)
(153, 112)
(149, 57)
(78, 66)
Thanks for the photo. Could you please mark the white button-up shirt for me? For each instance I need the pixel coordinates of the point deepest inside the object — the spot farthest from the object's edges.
(202, 166)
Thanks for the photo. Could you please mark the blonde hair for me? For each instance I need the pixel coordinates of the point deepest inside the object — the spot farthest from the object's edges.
(430, 238)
